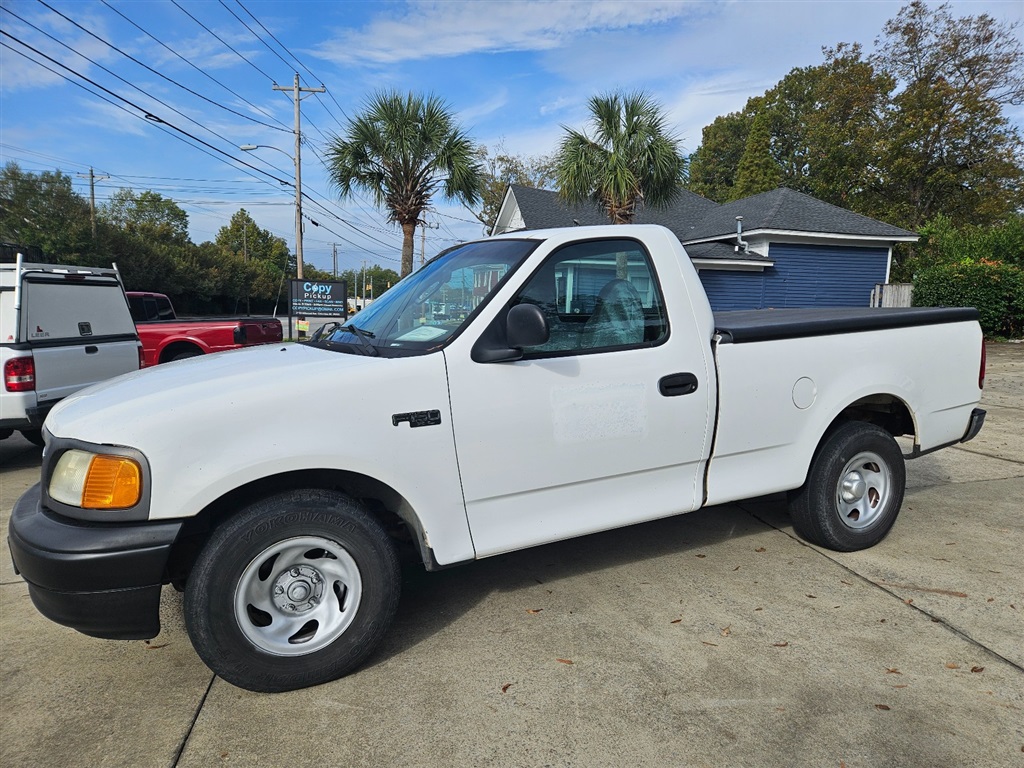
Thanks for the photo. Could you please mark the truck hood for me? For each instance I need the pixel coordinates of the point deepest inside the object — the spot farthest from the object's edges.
(247, 381)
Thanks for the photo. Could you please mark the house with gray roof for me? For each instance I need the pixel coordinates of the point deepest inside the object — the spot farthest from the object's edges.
(777, 249)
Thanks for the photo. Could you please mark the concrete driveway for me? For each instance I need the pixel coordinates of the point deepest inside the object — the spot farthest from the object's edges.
(712, 639)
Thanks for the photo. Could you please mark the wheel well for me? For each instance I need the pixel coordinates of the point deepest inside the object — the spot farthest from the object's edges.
(387, 505)
(176, 348)
(886, 411)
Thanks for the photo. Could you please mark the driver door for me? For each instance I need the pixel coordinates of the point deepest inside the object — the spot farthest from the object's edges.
(582, 434)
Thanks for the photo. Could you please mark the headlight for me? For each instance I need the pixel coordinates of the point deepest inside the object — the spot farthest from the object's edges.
(96, 481)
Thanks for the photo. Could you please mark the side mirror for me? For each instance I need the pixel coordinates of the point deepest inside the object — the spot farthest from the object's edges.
(526, 326)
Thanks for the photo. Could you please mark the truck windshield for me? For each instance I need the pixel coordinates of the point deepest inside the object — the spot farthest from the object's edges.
(432, 304)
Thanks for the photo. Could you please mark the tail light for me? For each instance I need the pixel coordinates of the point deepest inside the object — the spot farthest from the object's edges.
(981, 371)
(142, 357)
(20, 374)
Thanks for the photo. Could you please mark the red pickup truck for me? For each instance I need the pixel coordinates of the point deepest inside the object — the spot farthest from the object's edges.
(166, 337)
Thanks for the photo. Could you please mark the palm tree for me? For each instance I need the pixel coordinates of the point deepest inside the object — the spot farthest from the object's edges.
(631, 158)
(402, 150)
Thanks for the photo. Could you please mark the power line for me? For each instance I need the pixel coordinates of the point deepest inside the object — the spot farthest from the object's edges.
(114, 74)
(145, 113)
(205, 74)
(223, 42)
(283, 60)
(297, 61)
(346, 240)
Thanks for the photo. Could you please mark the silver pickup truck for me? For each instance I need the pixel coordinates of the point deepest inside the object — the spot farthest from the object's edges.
(62, 328)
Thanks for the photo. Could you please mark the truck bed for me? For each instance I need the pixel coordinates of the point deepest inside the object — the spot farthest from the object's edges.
(772, 324)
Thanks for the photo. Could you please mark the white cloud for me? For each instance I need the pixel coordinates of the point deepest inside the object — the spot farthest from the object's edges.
(476, 111)
(437, 29)
(28, 69)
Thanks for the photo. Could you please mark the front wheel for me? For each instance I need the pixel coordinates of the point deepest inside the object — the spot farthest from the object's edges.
(854, 489)
(294, 591)
(34, 436)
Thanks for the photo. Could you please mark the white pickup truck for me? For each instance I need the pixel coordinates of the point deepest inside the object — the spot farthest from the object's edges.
(514, 391)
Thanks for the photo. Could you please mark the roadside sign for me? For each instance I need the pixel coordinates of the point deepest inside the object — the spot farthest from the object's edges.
(317, 298)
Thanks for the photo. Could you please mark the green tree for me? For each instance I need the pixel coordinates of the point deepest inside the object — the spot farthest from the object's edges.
(630, 157)
(950, 148)
(44, 211)
(715, 163)
(147, 235)
(402, 150)
(916, 129)
(758, 171)
(243, 237)
(498, 171)
(253, 260)
(148, 215)
(378, 280)
(815, 131)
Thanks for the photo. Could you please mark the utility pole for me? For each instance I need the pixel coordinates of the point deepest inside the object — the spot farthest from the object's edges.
(297, 96)
(362, 285)
(245, 259)
(423, 239)
(335, 246)
(92, 197)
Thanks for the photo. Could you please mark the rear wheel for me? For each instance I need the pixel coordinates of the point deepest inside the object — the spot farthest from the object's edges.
(854, 489)
(294, 591)
(184, 354)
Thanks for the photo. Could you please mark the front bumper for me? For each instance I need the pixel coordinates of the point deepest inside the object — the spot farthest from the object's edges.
(102, 579)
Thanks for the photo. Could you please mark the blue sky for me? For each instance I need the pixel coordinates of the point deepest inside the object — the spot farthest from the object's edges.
(513, 72)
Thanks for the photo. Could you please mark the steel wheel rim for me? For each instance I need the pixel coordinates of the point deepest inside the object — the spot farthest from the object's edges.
(298, 596)
(863, 490)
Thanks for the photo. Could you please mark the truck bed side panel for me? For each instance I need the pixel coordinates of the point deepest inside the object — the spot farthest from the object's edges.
(777, 398)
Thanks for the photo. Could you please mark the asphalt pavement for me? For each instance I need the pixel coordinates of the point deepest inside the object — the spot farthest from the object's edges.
(712, 639)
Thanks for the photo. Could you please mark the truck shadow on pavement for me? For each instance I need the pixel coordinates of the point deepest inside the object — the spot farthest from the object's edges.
(18, 453)
(633, 555)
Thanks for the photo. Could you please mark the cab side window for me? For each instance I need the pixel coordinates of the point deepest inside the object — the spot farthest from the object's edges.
(597, 295)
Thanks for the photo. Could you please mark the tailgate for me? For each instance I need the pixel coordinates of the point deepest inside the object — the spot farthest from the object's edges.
(62, 370)
(262, 331)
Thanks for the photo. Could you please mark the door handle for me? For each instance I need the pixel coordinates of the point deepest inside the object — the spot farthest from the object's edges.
(91, 350)
(677, 384)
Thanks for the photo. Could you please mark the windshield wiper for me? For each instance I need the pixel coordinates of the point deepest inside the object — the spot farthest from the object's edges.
(364, 338)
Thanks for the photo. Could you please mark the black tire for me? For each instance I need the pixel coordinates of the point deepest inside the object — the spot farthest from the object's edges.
(184, 354)
(34, 436)
(854, 489)
(295, 590)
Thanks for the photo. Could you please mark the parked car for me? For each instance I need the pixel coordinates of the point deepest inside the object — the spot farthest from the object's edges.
(544, 414)
(166, 337)
(63, 328)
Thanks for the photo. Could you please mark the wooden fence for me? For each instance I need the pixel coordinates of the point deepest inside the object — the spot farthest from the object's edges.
(892, 295)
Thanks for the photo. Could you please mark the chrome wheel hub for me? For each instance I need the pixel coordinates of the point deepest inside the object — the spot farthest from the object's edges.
(298, 589)
(853, 487)
(298, 596)
(864, 489)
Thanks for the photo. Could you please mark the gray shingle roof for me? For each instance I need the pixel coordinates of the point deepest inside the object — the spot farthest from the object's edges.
(543, 209)
(787, 209)
(692, 217)
(723, 252)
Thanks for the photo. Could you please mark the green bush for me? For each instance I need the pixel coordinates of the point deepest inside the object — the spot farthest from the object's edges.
(994, 288)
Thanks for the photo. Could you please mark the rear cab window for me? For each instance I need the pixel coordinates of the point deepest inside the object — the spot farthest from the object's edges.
(56, 308)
